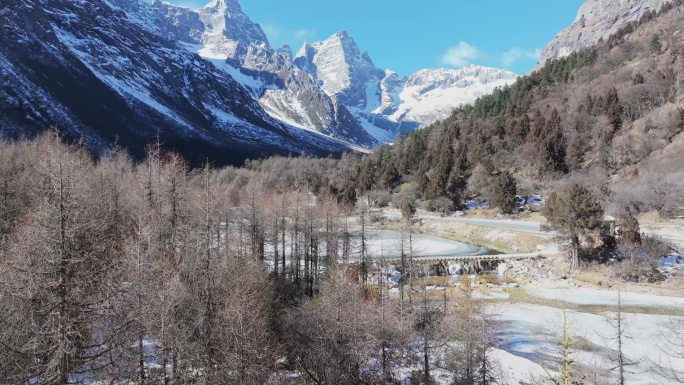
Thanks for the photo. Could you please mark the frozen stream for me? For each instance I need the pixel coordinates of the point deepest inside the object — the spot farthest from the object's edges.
(388, 242)
(652, 342)
(652, 339)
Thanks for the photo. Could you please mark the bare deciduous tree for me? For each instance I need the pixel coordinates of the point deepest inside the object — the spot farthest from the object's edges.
(59, 281)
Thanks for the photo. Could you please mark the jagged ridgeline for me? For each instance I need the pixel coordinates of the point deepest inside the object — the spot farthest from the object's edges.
(206, 82)
(615, 109)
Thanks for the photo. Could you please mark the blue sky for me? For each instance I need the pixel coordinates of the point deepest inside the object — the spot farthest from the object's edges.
(408, 35)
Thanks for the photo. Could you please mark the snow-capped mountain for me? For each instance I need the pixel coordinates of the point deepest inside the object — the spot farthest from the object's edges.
(109, 72)
(596, 19)
(340, 67)
(223, 34)
(432, 94)
(330, 86)
(385, 103)
(206, 81)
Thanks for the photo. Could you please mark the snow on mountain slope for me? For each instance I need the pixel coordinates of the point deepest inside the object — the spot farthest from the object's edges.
(431, 95)
(330, 86)
(227, 29)
(341, 68)
(221, 33)
(385, 103)
(596, 19)
(107, 72)
(150, 67)
(391, 87)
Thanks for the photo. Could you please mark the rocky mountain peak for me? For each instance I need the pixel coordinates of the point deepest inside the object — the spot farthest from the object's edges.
(343, 34)
(341, 43)
(285, 50)
(124, 81)
(228, 31)
(464, 77)
(596, 19)
(224, 7)
(340, 67)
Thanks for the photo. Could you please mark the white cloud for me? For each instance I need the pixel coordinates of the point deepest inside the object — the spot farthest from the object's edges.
(516, 54)
(305, 34)
(273, 32)
(460, 55)
(278, 35)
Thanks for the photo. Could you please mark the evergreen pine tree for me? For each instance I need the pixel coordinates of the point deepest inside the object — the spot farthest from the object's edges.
(573, 214)
(503, 192)
(551, 147)
(440, 173)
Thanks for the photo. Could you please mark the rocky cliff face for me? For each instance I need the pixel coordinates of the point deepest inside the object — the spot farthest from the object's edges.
(385, 103)
(597, 19)
(221, 33)
(341, 68)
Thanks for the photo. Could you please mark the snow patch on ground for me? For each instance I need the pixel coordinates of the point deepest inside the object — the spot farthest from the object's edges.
(501, 236)
(530, 332)
(587, 296)
(517, 370)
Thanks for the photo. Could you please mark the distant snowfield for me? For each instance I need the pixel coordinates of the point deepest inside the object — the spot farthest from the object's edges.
(431, 95)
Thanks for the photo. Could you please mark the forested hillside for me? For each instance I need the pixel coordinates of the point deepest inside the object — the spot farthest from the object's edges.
(610, 116)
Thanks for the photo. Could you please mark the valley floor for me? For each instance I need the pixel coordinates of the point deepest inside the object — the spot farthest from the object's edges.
(529, 318)
(651, 342)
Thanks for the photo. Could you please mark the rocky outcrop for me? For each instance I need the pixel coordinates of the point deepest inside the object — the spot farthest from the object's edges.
(341, 68)
(597, 19)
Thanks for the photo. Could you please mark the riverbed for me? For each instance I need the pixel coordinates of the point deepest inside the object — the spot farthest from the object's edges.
(390, 243)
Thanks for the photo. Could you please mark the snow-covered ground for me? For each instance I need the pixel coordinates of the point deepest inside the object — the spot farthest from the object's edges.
(529, 332)
(587, 296)
(517, 370)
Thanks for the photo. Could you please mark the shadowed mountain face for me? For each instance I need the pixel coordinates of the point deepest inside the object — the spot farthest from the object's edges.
(110, 73)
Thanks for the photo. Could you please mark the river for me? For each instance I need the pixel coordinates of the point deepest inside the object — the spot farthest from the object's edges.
(389, 242)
